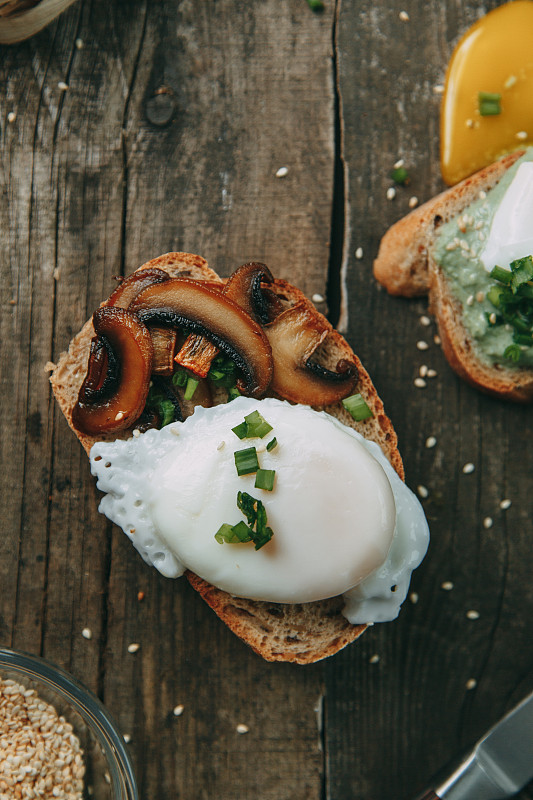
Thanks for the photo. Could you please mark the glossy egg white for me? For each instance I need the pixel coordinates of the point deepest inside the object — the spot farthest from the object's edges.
(343, 521)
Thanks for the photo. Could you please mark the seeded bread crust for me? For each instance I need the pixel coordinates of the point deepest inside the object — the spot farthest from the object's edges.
(300, 633)
(404, 266)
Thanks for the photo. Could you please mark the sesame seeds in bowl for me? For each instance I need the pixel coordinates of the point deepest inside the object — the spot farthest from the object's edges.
(56, 738)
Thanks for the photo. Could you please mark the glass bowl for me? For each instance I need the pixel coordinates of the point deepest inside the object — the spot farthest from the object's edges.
(108, 771)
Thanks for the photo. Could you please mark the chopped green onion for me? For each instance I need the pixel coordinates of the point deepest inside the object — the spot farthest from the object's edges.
(522, 272)
(190, 389)
(225, 534)
(253, 427)
(257, 531)
(400, 175)
(233, 392)
(167, 412)
(264, 479)
(522, 338)
(356, 406)
(272, 444)
(179, 378)
(246, 461)
(316, 5)
(513, 353)
(500, 274)
(489, 104)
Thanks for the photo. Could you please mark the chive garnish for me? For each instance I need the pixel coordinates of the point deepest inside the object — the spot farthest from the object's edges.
(264, 479)
(179, 378)
(246, 461)
(316, 5)
(190, 388)
(272, 444)
(356, 406)
(513, 297)
(253, 427)
(257, 530)
(489, 104)
(400, 175)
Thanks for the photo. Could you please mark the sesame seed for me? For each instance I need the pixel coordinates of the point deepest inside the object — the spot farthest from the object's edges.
(241, 728)
(413, 597)
(404, 16)
(447, 586)
(468, 468)
(438, 89)
(119, 415)
(374, 659)
(282, 172)
(399, 163)
(140, 596)
(521, 135)
(79, 44)
(133, 647)
(436, 339)
(480, 296)
(127, 738)
(413, 202)
(136, 433)
(422, 345)
(423, 371)
(432, 373)
(359, 253)
(488, 522)
(62, 86)
(492, 318)
(431, 442)
(482, 195)
(317, 298)
(425, 321)
(470, 300)
(422, 492)
(87, 633)
(469, 123)
(472, 614)
(471, 683)
(391, 193)
(505, 504)
(174, 431)
(221, 446)
(178, 710)
(11, 117)
(420, 383)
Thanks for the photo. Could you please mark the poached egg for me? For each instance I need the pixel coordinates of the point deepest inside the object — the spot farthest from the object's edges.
(343, 521)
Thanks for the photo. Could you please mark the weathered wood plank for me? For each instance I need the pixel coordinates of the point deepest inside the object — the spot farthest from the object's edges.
(394, 722)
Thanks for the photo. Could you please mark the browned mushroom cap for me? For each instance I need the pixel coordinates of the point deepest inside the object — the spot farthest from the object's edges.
(131, 343)
(184, 303)
(129, 288)
(244, 288)
(294, 336)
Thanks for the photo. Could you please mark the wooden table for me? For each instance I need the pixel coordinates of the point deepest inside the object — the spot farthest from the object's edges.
(176, 118)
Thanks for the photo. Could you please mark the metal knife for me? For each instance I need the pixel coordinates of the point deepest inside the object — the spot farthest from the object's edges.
(500, 764)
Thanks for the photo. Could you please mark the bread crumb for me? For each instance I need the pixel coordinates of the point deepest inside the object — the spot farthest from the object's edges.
(49, 366)
(420, 383)
(471, 683)
(488, 522)
(87, 633)
(391, 193)
(133, 647)
(472, 614)
(241, 728)
(505, 504)
(178, 710)
(422, 491)
(468, 468)
(140, 596)
(359, 253)
(282, 172)
(431, 442)
(447, 586)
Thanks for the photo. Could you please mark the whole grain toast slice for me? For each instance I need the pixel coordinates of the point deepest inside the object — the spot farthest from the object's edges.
(301, 633)
(404, 266)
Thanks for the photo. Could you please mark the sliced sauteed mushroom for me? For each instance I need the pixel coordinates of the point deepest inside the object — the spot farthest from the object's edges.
(295, 335)
(164, 342)
(123, 401)
(244, 288)
(184, 303)
(102, 372)
(129, 288)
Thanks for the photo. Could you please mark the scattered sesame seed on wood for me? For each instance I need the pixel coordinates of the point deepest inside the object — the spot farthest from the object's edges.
(431, 442)
(420, 383)
(404, 16)
(87, 633)
(317, 298)
(391, 193)
(241, 728)
(505, 504)
(413, 597)
(472, 614)
(374, 659)
(282, 172)
(488, 522)
(471, 684)
(425, 321)
(468, 468)
(447, 586)
(133, 647)
(422, 345)
(423, 491)
(413, 202)
(178, 710)
(359, 253)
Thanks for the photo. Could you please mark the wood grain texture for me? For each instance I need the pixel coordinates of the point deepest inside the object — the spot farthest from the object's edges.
(176, 118)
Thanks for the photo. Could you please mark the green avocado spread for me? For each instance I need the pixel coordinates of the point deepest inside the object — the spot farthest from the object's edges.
(459, 244)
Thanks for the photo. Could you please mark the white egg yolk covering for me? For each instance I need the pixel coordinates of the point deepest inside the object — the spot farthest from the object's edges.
(343, 521)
